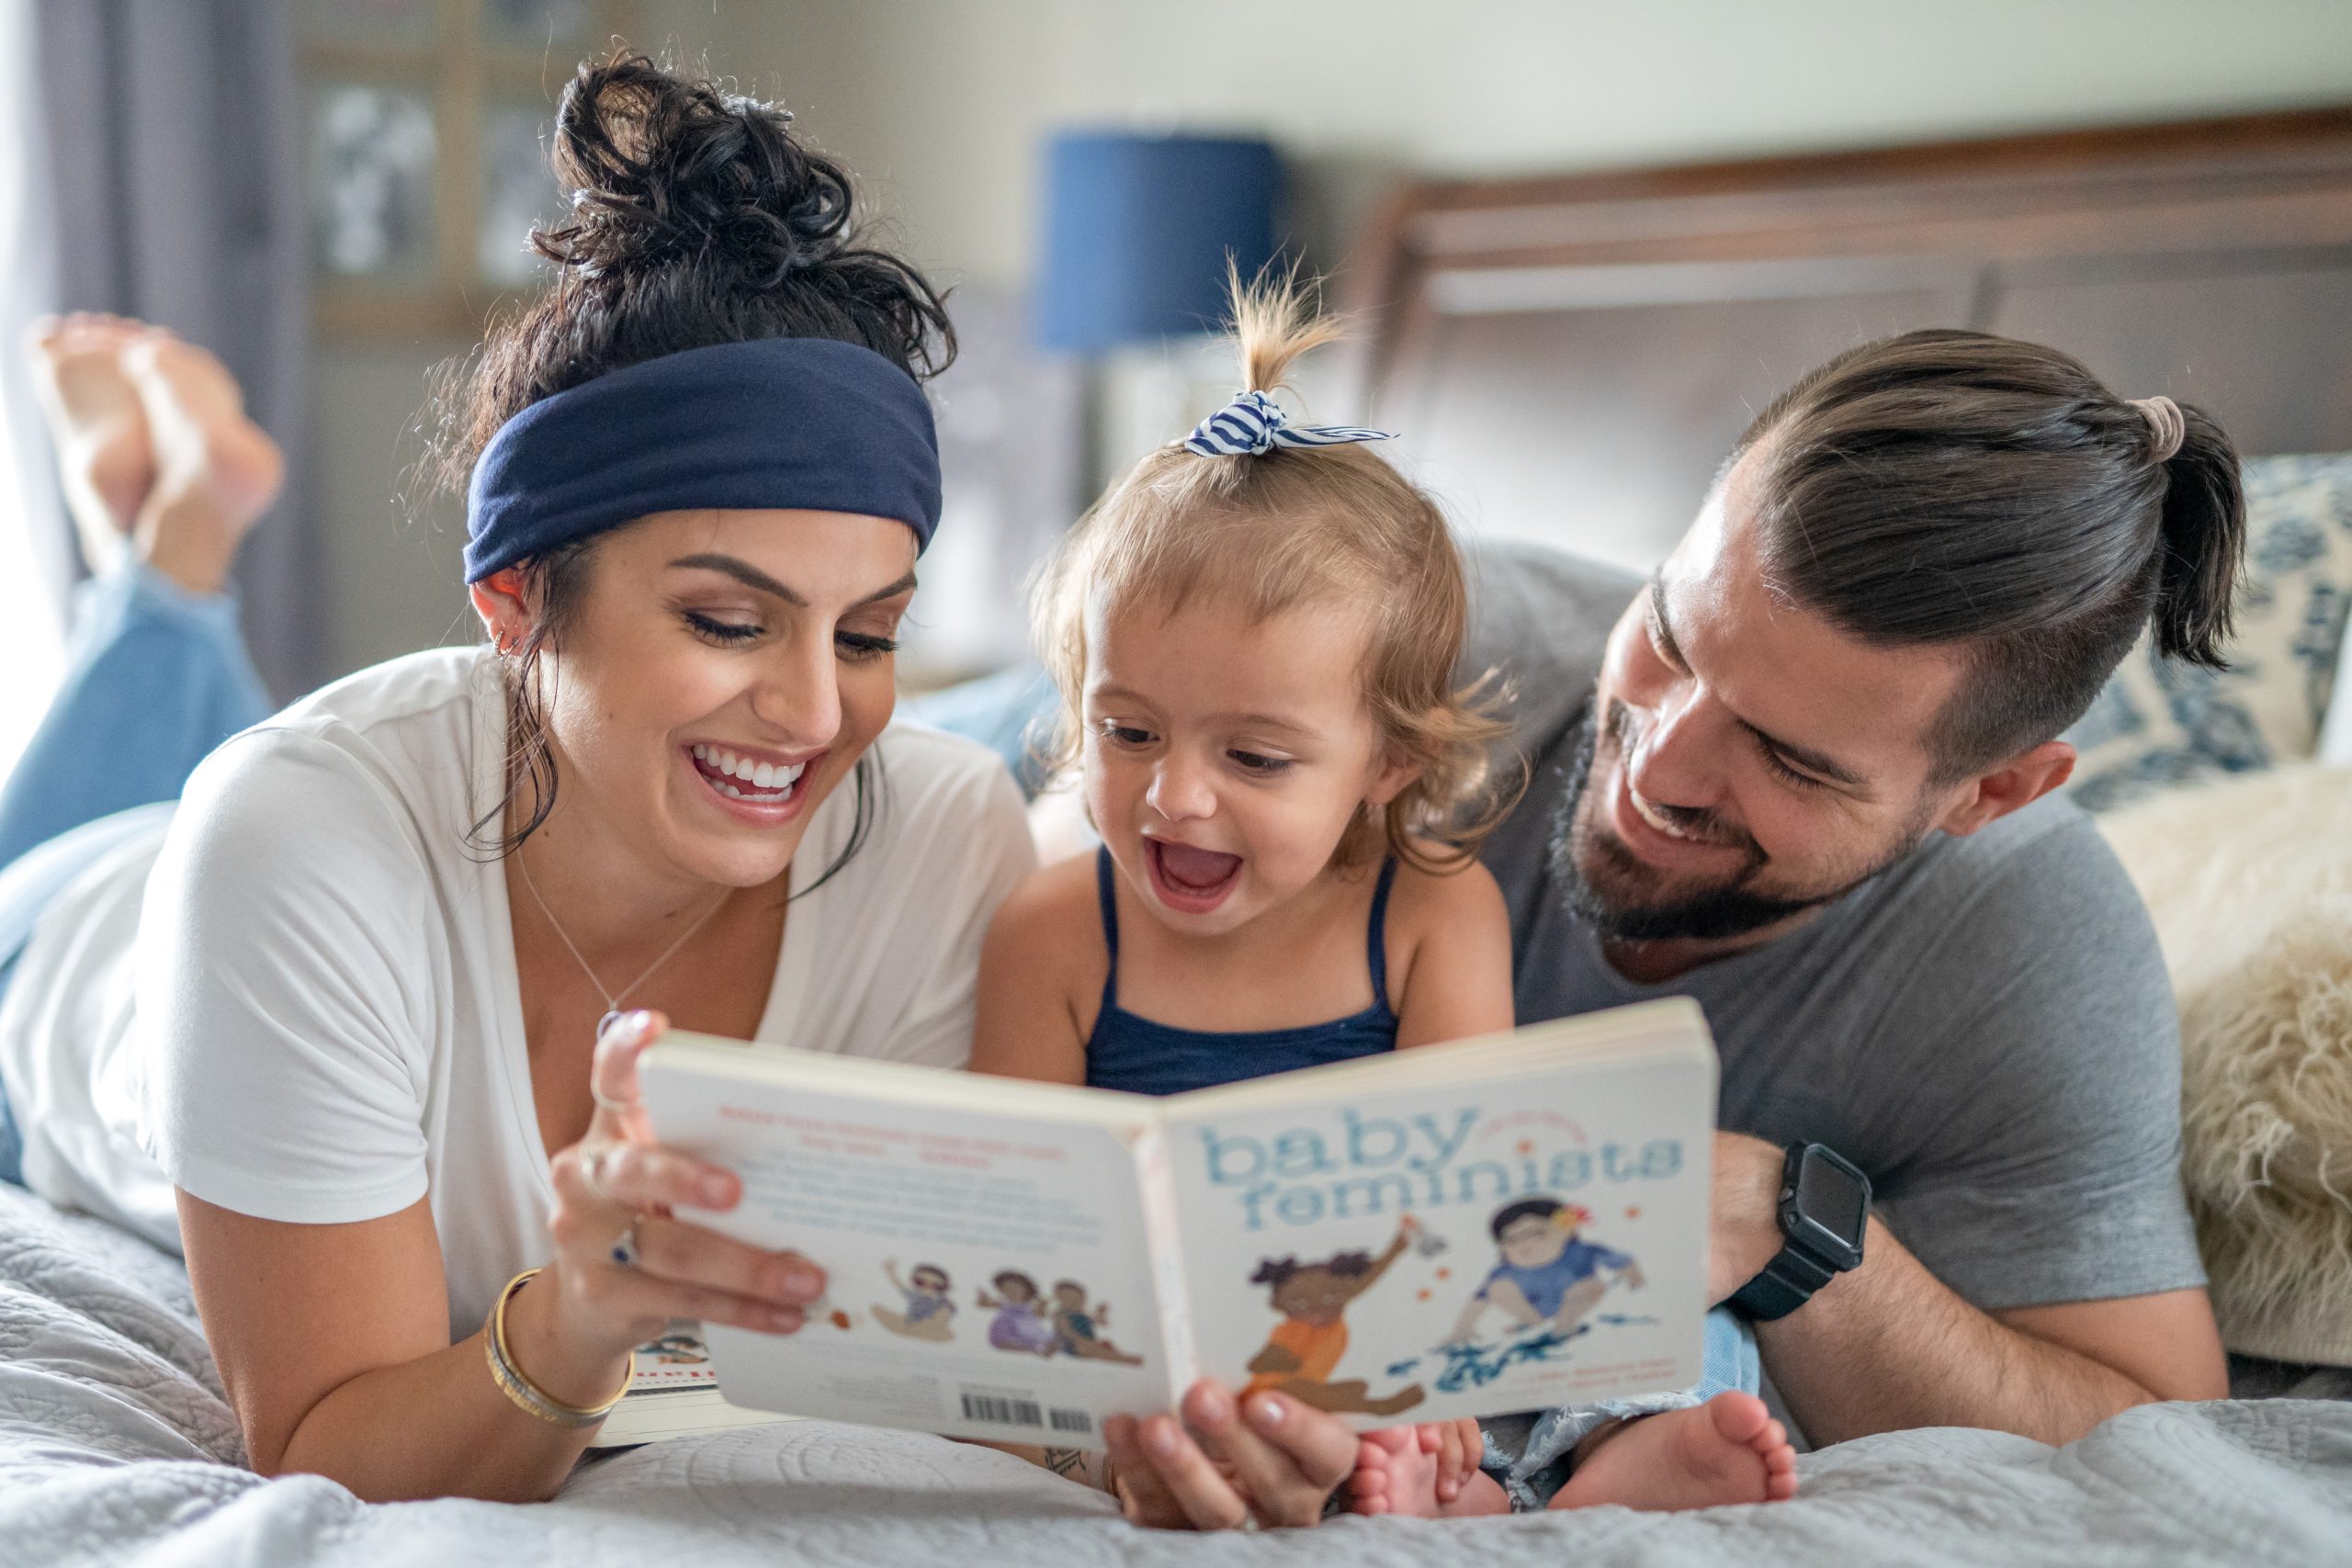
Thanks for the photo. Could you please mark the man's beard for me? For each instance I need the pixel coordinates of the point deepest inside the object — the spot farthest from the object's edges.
(1608, 899)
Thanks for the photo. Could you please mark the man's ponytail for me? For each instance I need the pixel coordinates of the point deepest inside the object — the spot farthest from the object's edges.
(2202, 535)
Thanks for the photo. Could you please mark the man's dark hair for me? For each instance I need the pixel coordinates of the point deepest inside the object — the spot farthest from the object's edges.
(1525, 1209)
(1955, 488)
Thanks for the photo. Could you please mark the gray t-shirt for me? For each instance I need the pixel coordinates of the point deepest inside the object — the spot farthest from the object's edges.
(1986, 1028)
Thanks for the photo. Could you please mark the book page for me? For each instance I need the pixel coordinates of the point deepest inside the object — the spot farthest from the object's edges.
(1420, 1252)
(988, 1276)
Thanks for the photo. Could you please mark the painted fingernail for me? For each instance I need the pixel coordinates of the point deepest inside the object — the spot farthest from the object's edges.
(1265, 1412)
(1161, 1438)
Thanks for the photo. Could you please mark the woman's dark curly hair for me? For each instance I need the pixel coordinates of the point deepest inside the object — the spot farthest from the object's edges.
(697, 218)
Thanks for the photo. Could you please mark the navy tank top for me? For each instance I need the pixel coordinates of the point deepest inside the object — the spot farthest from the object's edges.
(1143, 1057)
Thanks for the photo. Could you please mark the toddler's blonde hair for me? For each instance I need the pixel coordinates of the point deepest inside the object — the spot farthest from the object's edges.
(1285, 527)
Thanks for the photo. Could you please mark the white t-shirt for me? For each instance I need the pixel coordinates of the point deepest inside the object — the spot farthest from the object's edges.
(296, 996)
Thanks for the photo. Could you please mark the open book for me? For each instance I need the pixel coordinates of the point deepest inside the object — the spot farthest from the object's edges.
(1500, 1224)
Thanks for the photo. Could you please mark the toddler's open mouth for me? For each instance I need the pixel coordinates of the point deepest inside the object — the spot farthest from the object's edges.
(1189, 879)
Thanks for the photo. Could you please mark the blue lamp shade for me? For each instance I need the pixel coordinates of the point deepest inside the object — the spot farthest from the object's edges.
(1137, 231)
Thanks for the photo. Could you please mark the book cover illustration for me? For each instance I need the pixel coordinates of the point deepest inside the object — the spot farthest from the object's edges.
(1406, 1260)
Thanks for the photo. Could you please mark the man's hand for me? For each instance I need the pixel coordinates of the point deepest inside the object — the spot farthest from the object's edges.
(1745, 1235)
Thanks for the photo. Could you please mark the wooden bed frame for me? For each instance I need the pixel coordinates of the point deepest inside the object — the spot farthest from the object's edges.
(1569, 358)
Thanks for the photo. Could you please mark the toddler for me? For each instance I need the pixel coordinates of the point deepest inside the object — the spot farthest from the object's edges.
(1255, 634)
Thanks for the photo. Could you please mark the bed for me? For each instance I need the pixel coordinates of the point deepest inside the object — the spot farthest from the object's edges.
(1599, 337)
(116, 1448)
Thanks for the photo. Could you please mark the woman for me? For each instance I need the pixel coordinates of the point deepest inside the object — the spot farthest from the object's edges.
(370, 1091)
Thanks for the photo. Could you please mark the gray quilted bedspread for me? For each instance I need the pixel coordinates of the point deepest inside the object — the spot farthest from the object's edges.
(116, 1448)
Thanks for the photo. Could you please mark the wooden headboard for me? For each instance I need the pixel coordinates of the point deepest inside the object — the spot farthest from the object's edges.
(1571, 358)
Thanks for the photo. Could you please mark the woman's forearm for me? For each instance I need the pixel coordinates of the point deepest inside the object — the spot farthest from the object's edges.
(440, 1426)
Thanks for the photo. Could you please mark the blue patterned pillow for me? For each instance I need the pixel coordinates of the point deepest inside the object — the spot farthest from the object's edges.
(2160, 722)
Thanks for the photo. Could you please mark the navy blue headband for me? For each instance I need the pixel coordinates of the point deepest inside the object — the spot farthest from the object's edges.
(807, 424)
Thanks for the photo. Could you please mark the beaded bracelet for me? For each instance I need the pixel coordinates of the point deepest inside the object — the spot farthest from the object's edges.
(526, 1395)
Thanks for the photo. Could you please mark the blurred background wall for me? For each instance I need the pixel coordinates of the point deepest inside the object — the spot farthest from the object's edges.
(940, 107)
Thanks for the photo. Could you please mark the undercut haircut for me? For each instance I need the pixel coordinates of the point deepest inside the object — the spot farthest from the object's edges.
(1954, 489)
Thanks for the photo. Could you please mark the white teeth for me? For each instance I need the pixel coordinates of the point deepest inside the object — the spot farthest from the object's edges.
(1642, 808)
(764, 782)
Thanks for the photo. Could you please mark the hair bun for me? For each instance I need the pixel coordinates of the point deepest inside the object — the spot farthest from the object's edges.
(666, 170)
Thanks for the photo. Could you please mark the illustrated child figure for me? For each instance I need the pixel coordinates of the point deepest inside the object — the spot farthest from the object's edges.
(1548, 1273)
(1078, 1327)
(1021, 1322)
(1313, 1335)
(1255, 634)
(930, 1309)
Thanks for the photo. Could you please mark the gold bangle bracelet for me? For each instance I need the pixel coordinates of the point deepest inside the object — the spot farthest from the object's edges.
(518, 1387)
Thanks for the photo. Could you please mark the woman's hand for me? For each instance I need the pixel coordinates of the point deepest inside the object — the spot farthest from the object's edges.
(1273, 1463)
(624, 1268)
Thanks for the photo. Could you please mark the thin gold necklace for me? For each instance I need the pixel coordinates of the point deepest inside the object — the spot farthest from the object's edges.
(612, 1001)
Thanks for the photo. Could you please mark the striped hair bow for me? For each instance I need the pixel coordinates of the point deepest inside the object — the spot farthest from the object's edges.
(1253, 424)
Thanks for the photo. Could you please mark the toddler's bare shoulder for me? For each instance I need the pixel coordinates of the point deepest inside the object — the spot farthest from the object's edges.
(1422, 899)
(1052, 914)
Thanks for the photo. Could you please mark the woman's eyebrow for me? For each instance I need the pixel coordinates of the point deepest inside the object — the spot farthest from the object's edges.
(752, 576)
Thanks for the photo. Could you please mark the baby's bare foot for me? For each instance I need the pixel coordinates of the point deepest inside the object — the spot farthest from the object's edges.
(216, 471)
(1396, 1474)
(97, 423)
(1727, 1450)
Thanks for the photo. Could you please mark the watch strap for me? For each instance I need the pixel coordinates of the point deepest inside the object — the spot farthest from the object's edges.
(1786, 1284)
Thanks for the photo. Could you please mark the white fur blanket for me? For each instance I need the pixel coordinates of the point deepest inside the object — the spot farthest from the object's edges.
(116, 1448)
(2250, 884)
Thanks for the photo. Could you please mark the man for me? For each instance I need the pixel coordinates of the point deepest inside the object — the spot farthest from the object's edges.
(1804, 776)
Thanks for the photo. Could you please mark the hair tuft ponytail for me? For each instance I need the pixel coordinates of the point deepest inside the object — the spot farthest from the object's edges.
(1277, 324)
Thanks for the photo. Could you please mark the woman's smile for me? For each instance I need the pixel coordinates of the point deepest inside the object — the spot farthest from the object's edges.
(761, 788)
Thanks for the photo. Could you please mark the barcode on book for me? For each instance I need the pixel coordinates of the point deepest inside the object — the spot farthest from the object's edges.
(998, 1410)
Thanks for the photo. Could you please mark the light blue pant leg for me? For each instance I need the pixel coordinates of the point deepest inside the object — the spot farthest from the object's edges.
(155, 678)
(1529, 1454)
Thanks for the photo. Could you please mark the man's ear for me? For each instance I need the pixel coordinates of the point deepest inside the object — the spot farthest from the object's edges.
(2019, 782)
(498, 600)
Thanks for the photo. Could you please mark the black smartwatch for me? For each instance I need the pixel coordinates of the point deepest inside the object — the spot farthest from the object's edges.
(1825, 1208)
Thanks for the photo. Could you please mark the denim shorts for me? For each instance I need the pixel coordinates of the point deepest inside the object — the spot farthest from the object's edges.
(1528, 1454)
